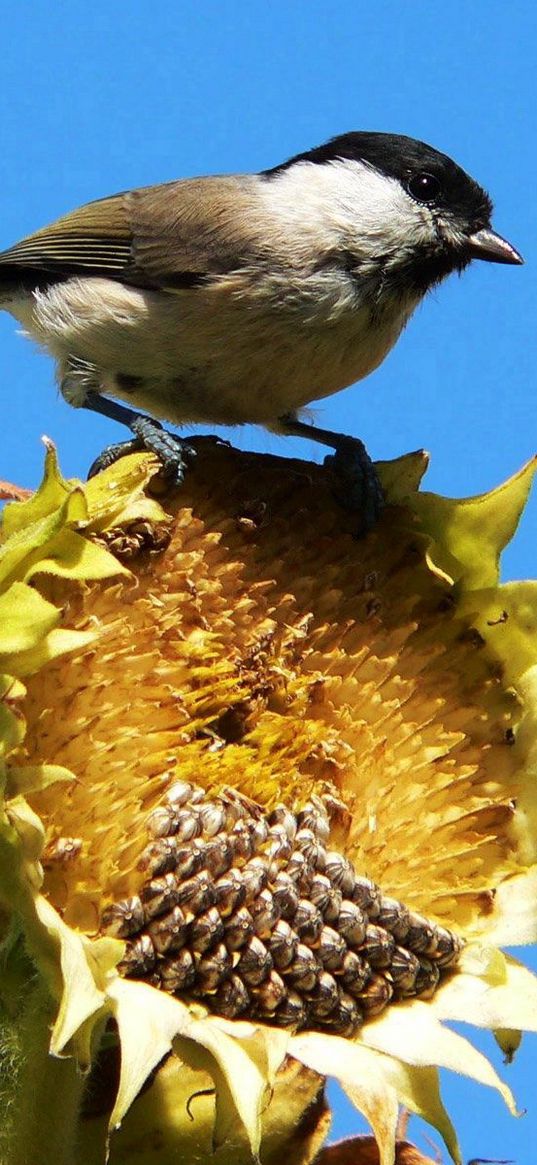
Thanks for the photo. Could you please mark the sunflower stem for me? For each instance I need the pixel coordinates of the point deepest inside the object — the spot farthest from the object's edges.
(49, 1090)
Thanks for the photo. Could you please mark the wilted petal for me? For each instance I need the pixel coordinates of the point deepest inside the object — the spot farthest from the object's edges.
(475, 996)
(414, 1034)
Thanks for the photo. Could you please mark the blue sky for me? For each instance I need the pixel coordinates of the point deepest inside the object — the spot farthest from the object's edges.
(98, 97)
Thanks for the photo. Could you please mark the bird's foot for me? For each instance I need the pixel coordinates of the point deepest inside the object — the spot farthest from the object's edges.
(173, 452)
(358, 486)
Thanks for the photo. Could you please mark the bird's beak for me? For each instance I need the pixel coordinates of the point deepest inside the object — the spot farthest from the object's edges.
(486, 244)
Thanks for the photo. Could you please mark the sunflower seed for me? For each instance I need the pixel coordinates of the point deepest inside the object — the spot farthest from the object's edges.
(124, 918)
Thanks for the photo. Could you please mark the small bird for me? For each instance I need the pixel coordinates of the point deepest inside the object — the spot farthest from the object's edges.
(243, 298)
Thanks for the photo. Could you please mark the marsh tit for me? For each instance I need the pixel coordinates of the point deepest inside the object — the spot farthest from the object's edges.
(243, 298)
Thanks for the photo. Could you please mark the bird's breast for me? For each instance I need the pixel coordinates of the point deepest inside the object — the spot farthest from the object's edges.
(247, 347)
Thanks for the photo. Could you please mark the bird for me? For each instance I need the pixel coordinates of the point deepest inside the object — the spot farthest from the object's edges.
(243, 298)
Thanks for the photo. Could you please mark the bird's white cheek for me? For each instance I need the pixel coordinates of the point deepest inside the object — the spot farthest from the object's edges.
(393, 227)
(345, 205)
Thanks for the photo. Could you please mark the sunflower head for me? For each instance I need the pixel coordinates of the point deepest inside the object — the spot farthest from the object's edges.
(262, 777)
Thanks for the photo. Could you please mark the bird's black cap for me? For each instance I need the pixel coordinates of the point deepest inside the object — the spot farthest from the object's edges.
(400, 157)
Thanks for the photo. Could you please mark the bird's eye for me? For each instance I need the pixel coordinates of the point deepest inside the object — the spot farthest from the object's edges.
(424, 187)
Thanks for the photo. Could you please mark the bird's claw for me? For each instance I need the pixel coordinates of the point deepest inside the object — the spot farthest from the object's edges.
(173, 452)
(112, 453)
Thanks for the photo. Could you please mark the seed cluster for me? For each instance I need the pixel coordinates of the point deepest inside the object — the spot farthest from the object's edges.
(256, 917)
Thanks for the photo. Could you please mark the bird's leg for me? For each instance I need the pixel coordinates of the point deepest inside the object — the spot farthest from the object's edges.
(80, 385)
(361, 486)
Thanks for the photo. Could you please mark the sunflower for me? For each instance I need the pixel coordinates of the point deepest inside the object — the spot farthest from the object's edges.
(268, 810)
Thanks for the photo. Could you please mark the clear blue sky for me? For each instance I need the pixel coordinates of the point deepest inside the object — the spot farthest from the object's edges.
(97, 97)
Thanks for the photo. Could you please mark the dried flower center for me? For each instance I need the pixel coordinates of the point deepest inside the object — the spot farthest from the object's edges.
(254, 915)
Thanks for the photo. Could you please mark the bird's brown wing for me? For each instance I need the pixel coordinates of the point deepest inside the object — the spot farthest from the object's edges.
(94, 239)
(170, 236)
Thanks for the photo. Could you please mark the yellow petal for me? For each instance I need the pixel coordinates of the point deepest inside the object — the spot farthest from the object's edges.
(117, 495)
(150, 1023)
(25, 619)
(418, 1091)
(172, 1120)
(469, 534)
(377, 1085)
(143, 1044)
(241, 1086)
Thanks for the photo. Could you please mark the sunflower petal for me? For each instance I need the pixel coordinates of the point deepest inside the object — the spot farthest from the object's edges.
(469, 534)
(241, 1085)
(377, 1085)
(81, 1000)
(413, 1033)
(477, 996)
(362, 1076)
(117, 496)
